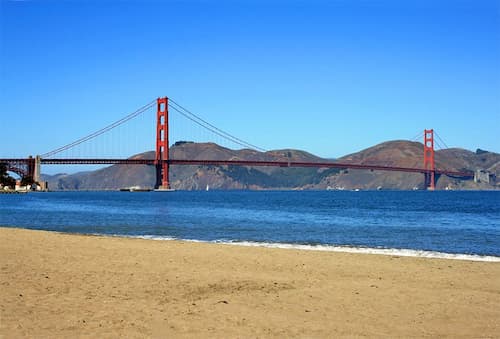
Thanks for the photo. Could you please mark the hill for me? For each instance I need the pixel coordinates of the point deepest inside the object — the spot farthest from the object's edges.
(403, 153)
(393, 153)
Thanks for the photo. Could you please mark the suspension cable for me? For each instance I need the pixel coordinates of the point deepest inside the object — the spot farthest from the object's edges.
(444, 143)
(417, 137)
(101, 131)
(205, 124)
(215, 131)
(438, 144)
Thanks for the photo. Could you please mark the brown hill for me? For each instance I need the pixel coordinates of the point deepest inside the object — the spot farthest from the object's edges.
(392, 153)
(237, 177)
(402, 153)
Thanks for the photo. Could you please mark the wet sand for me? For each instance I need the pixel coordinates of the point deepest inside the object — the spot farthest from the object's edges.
(58, 285)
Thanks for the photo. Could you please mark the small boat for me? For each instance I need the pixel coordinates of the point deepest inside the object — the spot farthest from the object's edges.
(207, 188)
(140, 189)
(135, 189)
(164, 190)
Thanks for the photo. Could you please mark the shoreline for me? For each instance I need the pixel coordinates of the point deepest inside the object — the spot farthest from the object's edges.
(404, 252)
(67, 285)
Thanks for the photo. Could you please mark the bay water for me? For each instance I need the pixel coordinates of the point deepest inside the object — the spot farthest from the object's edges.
(455, 224)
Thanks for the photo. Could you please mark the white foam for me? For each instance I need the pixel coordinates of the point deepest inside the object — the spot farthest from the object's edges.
(368, 250)
(341, 249)
(152, 237)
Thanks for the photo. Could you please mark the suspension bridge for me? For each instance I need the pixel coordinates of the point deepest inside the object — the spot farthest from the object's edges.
(30, 168)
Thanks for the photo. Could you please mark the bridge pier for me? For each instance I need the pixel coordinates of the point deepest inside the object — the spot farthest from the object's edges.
(430, 180)
(37, 170)
(33, 172)
(31, 169)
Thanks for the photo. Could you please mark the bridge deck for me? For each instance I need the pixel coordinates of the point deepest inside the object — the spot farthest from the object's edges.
(332, 164)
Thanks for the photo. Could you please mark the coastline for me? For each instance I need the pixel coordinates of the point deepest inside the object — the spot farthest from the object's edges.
(413, 253)
(60, 285)
(403, 252)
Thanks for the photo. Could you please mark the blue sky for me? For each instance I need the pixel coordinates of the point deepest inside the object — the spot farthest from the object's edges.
(329, 77)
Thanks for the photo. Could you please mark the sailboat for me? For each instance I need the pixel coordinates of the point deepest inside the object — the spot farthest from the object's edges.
(207, 188)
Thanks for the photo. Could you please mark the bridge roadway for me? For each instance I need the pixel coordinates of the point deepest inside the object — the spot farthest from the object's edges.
(340, 165)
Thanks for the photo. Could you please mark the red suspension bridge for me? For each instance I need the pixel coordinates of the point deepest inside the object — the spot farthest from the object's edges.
(30, 167)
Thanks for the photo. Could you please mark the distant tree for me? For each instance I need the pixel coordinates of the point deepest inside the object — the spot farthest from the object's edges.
(5, 178)
(3, 169)
(27, 180)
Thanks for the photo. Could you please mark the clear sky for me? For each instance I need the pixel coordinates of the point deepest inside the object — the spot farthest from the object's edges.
(330, 77)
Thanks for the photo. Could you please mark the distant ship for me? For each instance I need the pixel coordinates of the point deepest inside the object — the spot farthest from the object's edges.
(135, 189)
(164, 190)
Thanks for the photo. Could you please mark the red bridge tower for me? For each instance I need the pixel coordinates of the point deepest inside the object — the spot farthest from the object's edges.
(161, 159)
(429, 159)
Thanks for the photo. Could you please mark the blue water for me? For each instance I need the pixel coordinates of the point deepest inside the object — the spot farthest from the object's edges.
(449, 222)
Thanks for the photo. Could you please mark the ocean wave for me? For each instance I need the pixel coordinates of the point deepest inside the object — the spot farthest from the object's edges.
(336, 248)
(372, 250)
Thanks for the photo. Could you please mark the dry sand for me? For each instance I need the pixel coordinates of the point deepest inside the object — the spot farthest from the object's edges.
(58, 285)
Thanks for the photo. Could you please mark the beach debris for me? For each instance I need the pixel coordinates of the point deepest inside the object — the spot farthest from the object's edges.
(223, 302)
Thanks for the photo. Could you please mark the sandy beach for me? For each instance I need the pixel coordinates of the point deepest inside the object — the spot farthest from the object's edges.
(59, 285)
